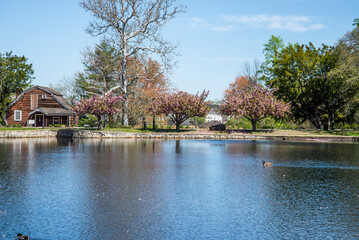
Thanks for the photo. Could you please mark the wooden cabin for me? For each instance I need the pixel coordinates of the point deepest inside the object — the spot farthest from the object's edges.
(40, 107)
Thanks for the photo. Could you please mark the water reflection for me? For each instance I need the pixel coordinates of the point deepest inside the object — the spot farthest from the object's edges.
(183, 189)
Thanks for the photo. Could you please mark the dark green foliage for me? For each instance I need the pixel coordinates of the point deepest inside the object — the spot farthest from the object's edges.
(15, 76)
(197, 120)
(321, 84)
(273, 123)
(356, 22)
(267, 123)
(102, 65)
(88, 120)
(239, 123)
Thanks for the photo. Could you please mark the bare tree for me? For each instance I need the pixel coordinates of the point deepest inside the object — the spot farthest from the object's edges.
(251, 71)
(135, 28)
(68, 86)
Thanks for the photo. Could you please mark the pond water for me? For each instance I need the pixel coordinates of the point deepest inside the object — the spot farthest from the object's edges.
(184, 189)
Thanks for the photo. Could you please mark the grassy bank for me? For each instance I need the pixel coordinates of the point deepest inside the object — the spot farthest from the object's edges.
(349, 133)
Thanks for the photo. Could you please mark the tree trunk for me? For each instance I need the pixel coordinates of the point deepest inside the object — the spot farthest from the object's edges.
(178, 126)
(254, 125)
(319, 123)
(3, 118)
(125, 111)
(332, 117)
(332, 123)
(314, 119)
(100, 125)
(154, 121)
(124, 79)
(326, 124)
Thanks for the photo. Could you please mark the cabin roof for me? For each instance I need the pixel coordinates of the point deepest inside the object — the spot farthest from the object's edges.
(54, 94)
(49, 90)
(53, 112)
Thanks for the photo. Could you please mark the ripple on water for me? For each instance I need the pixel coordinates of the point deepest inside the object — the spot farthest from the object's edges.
(185, 189)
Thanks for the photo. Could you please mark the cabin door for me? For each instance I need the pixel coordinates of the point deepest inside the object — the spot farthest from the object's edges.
(39, 120)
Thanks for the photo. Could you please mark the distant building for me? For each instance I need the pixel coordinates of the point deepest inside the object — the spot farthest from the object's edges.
(40, 107)
(214, 115)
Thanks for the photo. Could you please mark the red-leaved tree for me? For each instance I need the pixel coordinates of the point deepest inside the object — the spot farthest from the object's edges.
(179, 106)
(254, 104)
(99, 105)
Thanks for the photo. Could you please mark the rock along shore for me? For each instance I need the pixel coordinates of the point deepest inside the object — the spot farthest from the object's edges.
(71, 133)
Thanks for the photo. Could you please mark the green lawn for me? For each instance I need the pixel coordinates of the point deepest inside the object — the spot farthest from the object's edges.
(19, 128)
(122, 129)
(351, 133)
(27, 128)
(149, 130)
(289, 132)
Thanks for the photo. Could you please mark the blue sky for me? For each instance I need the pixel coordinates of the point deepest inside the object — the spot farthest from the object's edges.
(215, 37)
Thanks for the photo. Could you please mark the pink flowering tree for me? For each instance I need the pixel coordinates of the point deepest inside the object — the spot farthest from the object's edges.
(179, 106)
(99, 105)
(255, 104)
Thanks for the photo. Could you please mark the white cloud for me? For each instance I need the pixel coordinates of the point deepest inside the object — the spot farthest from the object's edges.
(227, 23)
(223, 28)
(289, 22)
(317, 26)
(197, 22)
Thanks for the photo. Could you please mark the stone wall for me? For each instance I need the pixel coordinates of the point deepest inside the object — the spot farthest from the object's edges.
(68, 133)
(98, 134)
(28, 134)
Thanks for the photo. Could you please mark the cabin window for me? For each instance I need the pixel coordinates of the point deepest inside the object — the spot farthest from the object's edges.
(17, 115)
(43, 96)
(56, 120)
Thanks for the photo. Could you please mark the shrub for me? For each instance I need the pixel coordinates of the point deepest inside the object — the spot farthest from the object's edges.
(273, 123)
(197, 120)
(88, 120)
(342, 125)
(239, 123)
(57, 125)
(50, 125)
(17, 125)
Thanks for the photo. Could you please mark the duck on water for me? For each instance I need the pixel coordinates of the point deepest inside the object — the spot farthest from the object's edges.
(267, 164)
(22, 237)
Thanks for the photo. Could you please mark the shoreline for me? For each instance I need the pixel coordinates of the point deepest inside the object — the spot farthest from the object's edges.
(70, 133)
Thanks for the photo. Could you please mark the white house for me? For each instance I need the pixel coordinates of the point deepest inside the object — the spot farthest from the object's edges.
(213, 115)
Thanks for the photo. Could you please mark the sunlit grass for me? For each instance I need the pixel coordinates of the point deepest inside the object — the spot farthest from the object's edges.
(17, 129)
(264, 132)
(28, 128)
(148, 130)
(351, 133)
